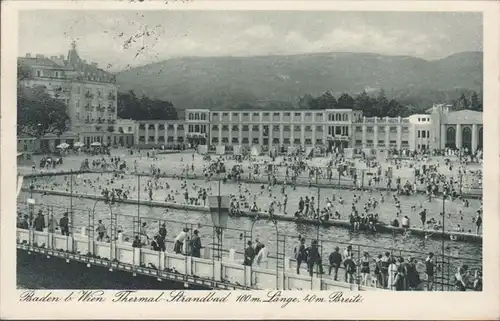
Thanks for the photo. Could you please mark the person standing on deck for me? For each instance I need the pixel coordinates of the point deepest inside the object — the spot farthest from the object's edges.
(429, 270)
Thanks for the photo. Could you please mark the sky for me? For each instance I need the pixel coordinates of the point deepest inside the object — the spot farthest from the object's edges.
(117, 40)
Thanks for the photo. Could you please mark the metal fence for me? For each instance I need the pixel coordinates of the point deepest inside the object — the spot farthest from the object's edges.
(280, 245)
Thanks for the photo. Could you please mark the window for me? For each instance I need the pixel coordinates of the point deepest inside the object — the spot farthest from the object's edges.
(319, 141)
(245, 114)
(255, 140)
(405, 129)
(170, 127)
(151, 126)
(196, 116)
(319, 115)
(308, 141)
(180, 127)
(296, 141)
(338, 130)
(129, 129)
(190, 117)
(297, 114)
(225, 128)
(428, 134)
(265, 114)
(234, 140)
(151, 138)
(191, 128)
(225, 114)
(245, 127)
(392, 142)
(141, 126)
(57, 74)
(38, 73)
(180, 139)
(276, 128)
(393, 129)
(308, 114)
(235, 128)
(255, 128)
(196, 128)
(358, 142)
(161, 127)
(141, 138)
(381, 129)
(276, 140)
(423, 133)
(225, 140)
(287, 114)
(308, 128)
(404, 142)
(418, 133)
(345, 117)
(203, 117)
(286, 140)
(319, 128)
(419, 119)
(359, 129)
(381, 142)
(215, 114)
(286, 128)
(161, 138)
(170, 139)
(296, 128)
(337, 117)
(235, 114)
(215, 140)
(276, 114)
(256, 114)
(369, 141)
(215, 127)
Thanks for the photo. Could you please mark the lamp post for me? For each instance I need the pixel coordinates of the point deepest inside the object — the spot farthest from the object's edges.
(442, 238)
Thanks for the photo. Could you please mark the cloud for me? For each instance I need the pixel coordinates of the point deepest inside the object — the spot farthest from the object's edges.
(100, 35)
(262, 32)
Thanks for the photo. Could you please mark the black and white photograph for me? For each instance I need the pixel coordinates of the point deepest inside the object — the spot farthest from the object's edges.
(213, 150)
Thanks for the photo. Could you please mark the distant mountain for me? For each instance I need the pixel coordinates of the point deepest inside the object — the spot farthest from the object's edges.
(220, 82)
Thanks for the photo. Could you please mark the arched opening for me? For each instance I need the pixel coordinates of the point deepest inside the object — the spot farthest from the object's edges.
(467, 139)
(480, 139)
(196, 116)
(190, 116)
(203, 117)
(450, 138)
(344, 117)
(337, 117)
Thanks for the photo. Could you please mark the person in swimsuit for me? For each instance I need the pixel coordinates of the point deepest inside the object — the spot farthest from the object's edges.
(365, 269)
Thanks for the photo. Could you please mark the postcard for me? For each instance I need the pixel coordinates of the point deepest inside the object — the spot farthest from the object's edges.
(250, 159)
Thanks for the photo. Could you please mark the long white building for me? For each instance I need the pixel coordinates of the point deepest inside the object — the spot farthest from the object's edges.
(269, 129)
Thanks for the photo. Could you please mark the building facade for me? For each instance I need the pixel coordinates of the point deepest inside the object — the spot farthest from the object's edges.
(328, 128)
(89, 92)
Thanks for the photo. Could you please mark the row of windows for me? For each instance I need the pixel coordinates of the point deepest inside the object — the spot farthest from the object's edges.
(380, 142)
(162, 127)
(161, 139)
(331, 117)
(423, 134)
(266, 128)
(197, 116)
(197, 128)
(381, 129)
(245, 140)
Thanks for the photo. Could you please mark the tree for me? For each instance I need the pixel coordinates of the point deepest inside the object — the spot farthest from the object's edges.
(462, 103)
(345, 101)
(475, 104)
(132, 107)
(39, 114)
(364, 103)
